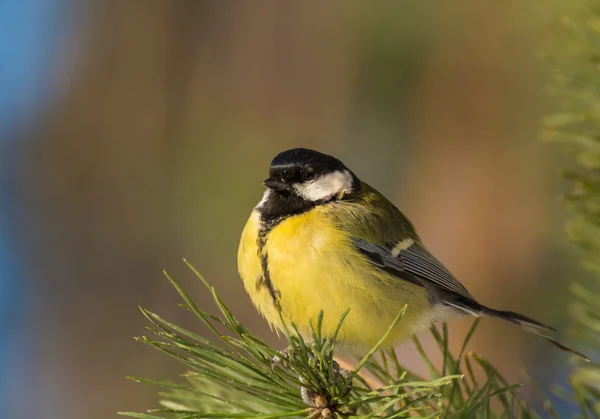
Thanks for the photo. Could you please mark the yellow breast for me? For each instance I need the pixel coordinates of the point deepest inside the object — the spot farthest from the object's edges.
(313, 266)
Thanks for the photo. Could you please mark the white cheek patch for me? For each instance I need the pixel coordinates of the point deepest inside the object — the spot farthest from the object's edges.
(332, 184)
(264, 199)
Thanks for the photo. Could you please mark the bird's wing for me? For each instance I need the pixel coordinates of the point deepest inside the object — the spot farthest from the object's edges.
(409, 260)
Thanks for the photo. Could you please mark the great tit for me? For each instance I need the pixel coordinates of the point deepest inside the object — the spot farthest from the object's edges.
(321, 239)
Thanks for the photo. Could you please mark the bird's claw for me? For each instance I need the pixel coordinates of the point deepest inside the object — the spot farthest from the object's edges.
(279, 359)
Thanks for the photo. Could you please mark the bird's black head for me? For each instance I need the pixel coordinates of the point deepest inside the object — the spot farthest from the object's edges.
(300, 179)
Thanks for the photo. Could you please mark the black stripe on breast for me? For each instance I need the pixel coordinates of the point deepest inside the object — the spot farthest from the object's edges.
(265, 228)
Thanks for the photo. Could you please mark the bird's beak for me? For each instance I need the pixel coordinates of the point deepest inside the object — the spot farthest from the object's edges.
(275, 185)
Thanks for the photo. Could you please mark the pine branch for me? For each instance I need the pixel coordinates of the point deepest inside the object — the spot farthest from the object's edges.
(232, 376)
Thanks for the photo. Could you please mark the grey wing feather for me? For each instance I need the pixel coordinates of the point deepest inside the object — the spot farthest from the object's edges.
(415, 261)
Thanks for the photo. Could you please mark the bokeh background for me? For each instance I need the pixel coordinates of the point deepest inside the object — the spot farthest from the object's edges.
(137, 132)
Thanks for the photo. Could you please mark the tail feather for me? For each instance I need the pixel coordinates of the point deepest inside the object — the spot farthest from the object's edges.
(533, 326)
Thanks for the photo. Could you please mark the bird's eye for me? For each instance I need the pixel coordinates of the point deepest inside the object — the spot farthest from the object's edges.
(306, 176)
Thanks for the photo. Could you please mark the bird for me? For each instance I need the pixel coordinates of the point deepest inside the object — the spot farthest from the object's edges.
(322, 240)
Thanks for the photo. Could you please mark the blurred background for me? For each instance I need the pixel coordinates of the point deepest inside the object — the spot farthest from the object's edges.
(134, 133)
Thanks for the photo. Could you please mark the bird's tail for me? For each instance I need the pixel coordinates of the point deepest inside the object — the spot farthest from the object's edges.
(533, 326)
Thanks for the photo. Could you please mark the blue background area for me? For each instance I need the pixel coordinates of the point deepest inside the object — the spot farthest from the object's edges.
(28, 40)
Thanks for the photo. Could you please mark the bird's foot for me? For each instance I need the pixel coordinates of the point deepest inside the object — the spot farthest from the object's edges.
(284, 356)
(279, 359)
